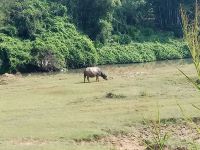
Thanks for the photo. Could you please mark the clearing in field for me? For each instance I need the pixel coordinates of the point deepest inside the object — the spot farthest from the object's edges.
(60, 112)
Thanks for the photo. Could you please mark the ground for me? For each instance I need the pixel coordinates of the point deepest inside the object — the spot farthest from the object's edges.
(60, 112)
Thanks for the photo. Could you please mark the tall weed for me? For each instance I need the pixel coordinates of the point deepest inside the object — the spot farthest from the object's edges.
(191, 32)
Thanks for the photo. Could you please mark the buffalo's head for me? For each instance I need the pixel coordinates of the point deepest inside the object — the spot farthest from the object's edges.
(104, 76)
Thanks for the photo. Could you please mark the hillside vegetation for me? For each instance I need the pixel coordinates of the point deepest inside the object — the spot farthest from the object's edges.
(49, 35)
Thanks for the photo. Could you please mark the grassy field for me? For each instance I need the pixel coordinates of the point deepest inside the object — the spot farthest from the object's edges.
(58, 111)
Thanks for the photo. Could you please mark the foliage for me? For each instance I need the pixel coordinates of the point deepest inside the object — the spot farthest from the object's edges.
(88, 14)
(167, 15)
(192, 38)
(46, 56)
(142, 34)
(159, 139)
(55, 42)
(142, 52)
(14, 53)
(171, 50)
(9, 30)
(82, 54)
(106, 31)
(190, 80)
(77, 50)
(32, 17)
(4, 6)
(46, 36)
(123, 15)
(130, 14)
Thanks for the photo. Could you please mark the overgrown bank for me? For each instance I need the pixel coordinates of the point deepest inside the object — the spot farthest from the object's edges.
(142, 52)
(39, 35)
(55, 51)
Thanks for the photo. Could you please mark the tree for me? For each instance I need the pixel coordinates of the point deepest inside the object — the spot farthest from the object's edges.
(32, 17)
(130, 14)
(88, 14)
(167, 16)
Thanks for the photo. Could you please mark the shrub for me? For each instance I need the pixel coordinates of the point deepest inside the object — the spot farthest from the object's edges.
(106, 29)
(9, 30)
(136, 52)
(59, 47)
(172, 50)
(82, 53)
(46, 57)
(125, 39)
(14, 53)
(191, 35)
(77, 49)
(142, 52)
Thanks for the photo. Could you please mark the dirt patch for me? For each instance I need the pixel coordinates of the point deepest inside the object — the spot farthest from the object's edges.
(180, 136)
(115, 96)
(8, 77)
(3, 82)
(182, 132)
(116, 142)
(123, 142)
(132, 74)
(28, 142)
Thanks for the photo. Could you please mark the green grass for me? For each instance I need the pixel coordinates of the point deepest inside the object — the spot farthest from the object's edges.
(51, 111)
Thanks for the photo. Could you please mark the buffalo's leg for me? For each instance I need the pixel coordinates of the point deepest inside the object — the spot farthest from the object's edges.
(97, 78)
(84, 78)
(88, 79)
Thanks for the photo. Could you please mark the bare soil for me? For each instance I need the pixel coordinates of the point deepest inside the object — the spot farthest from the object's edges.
(181, 133)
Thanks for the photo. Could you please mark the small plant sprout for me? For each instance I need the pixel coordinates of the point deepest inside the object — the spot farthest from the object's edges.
(159, 139)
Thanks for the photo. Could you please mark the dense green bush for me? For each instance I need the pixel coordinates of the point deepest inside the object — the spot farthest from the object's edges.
(106, 31)
(141, 34)
(9, 30)
(142, 52)
(170, 51)
(46, 57)
(14, 53)
(55, 42)
(50, 52)
(77, 50)
(136, 52)
(82, 54)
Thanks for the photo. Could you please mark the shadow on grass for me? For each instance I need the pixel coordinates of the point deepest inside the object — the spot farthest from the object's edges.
(85, 82)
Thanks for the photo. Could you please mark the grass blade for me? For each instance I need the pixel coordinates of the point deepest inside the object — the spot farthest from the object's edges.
(189, 79)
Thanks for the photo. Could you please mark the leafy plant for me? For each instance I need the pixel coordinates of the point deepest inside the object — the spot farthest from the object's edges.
(159, 139)
(191, 32)
(142, 52)
(191, 36)
(54, 42)
(14, 54)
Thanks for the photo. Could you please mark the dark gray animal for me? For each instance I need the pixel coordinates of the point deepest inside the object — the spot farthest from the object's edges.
(94, 72)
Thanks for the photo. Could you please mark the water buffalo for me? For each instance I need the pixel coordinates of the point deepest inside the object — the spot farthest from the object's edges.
(94, 72)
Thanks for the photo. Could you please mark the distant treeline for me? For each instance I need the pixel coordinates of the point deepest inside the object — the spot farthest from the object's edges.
(48, 35)
(101, 18)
